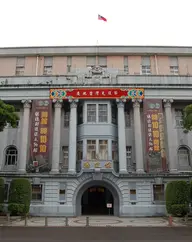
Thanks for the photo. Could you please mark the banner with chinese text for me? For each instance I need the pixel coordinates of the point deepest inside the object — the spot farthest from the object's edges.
(98, 93)
(40, 130)
(154, 131)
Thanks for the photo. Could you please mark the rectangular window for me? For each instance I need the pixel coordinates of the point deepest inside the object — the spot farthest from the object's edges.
(114, 113)
(174, 68)
(146, 65)
(129, 155)
(103, 113)
(91, 149)
(179, 118)
(48, 64)
(91, 113)
(127, 119)
(126, 68)
(6, 192)
(158, 192)
(114, 150)
(65, 150)
(103, 149)
(66, 119)
(102, 61)
(62, 193)
(20, 66)
(37, 192)
(80, 150)
(91, 61)
(133, 195)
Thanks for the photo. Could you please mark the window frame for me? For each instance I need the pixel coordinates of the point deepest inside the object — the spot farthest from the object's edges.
(178, 118)
(153, 194)
(6, 156)
(106, 150)
(42, 193)
(145, 70)
(188, 154)
(97, 113)
(93, 150)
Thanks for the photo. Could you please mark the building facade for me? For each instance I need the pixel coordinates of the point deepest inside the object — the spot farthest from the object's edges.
(100, 130)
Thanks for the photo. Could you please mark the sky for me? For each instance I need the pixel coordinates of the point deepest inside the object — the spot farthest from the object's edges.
(75, 22)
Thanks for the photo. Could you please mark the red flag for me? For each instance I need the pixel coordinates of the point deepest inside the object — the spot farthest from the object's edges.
(102, 18)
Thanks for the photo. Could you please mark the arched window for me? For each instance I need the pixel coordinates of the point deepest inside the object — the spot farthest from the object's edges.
(11, 156)
(184, 157)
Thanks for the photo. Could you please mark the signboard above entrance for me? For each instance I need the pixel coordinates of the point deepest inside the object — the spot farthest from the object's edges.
(96, 93)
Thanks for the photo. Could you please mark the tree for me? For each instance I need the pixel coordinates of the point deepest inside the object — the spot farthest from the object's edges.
(7, 115)
(187, 117)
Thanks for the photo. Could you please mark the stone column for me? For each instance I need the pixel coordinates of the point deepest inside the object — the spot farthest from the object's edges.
(73, 137)
(24, 136)
(121, 137)
(138, 136)
(56, 150)
(170, 143)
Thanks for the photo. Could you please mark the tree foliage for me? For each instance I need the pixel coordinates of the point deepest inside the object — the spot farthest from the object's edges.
(187, 117)
(7, 115)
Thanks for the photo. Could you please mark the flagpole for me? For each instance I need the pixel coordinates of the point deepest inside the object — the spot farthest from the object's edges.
(97, 51)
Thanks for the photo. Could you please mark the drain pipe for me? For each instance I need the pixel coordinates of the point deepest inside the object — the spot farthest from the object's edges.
(37, 65)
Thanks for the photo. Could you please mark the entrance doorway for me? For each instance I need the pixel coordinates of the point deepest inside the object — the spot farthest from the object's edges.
(95, 200)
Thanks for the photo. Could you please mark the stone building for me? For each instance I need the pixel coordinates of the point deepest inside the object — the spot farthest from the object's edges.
(100, 130)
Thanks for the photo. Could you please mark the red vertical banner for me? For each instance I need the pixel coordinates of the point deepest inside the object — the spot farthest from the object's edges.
(154, 132)
(40, 131)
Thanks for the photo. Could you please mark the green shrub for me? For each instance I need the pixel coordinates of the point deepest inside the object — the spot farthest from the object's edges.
(191, 191)
(19, 196)
(177, 198)
(1, 194)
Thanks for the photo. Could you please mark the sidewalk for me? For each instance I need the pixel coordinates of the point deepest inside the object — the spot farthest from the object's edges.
(94, 221)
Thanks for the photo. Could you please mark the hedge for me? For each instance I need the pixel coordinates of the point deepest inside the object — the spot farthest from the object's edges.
(177, 198)
(19, 196)
(1, 193)
(191, 191)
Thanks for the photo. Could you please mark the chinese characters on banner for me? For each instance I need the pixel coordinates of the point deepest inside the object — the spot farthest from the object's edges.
(98, 93)
(154, 127)
(40, 131)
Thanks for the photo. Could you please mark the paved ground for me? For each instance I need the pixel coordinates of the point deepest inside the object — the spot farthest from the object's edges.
(95, 221)
(91, 234)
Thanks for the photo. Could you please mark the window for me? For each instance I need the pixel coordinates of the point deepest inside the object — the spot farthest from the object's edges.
(66, 119)
(11, 156)
(114, 113)
(6, 192)
(179, 118)
(62, 193)
(133, 194)
(184, 157)
(91, 113)
(146, 70)
(158, 193)
(65, 150)
(103, 149)
(102, 61)
(48, 64)
(69, 60)
(128, 155)
(91, 61)
(114, 150)
(91, 149)
(146, 65)
(103, 114)
(126, 69)
(80, 150)
(174, 69)
(20, 66)
(127, 119)
(37, 192)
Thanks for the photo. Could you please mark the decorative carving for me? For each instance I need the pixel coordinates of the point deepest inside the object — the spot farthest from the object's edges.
(58, 103)
(158, 180)
(97, 176)
(73, 103)
(167, 102)
(136, 103)
(26, 103)
(120, 103)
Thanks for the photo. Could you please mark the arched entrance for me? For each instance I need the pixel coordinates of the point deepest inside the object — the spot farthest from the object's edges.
(97, 200)
(92, 198)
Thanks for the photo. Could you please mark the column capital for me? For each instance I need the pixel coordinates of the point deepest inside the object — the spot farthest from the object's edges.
(73, 103)
(167, 102)
(136, 103)
(120, 103)
(58, 103)
(26, 103)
